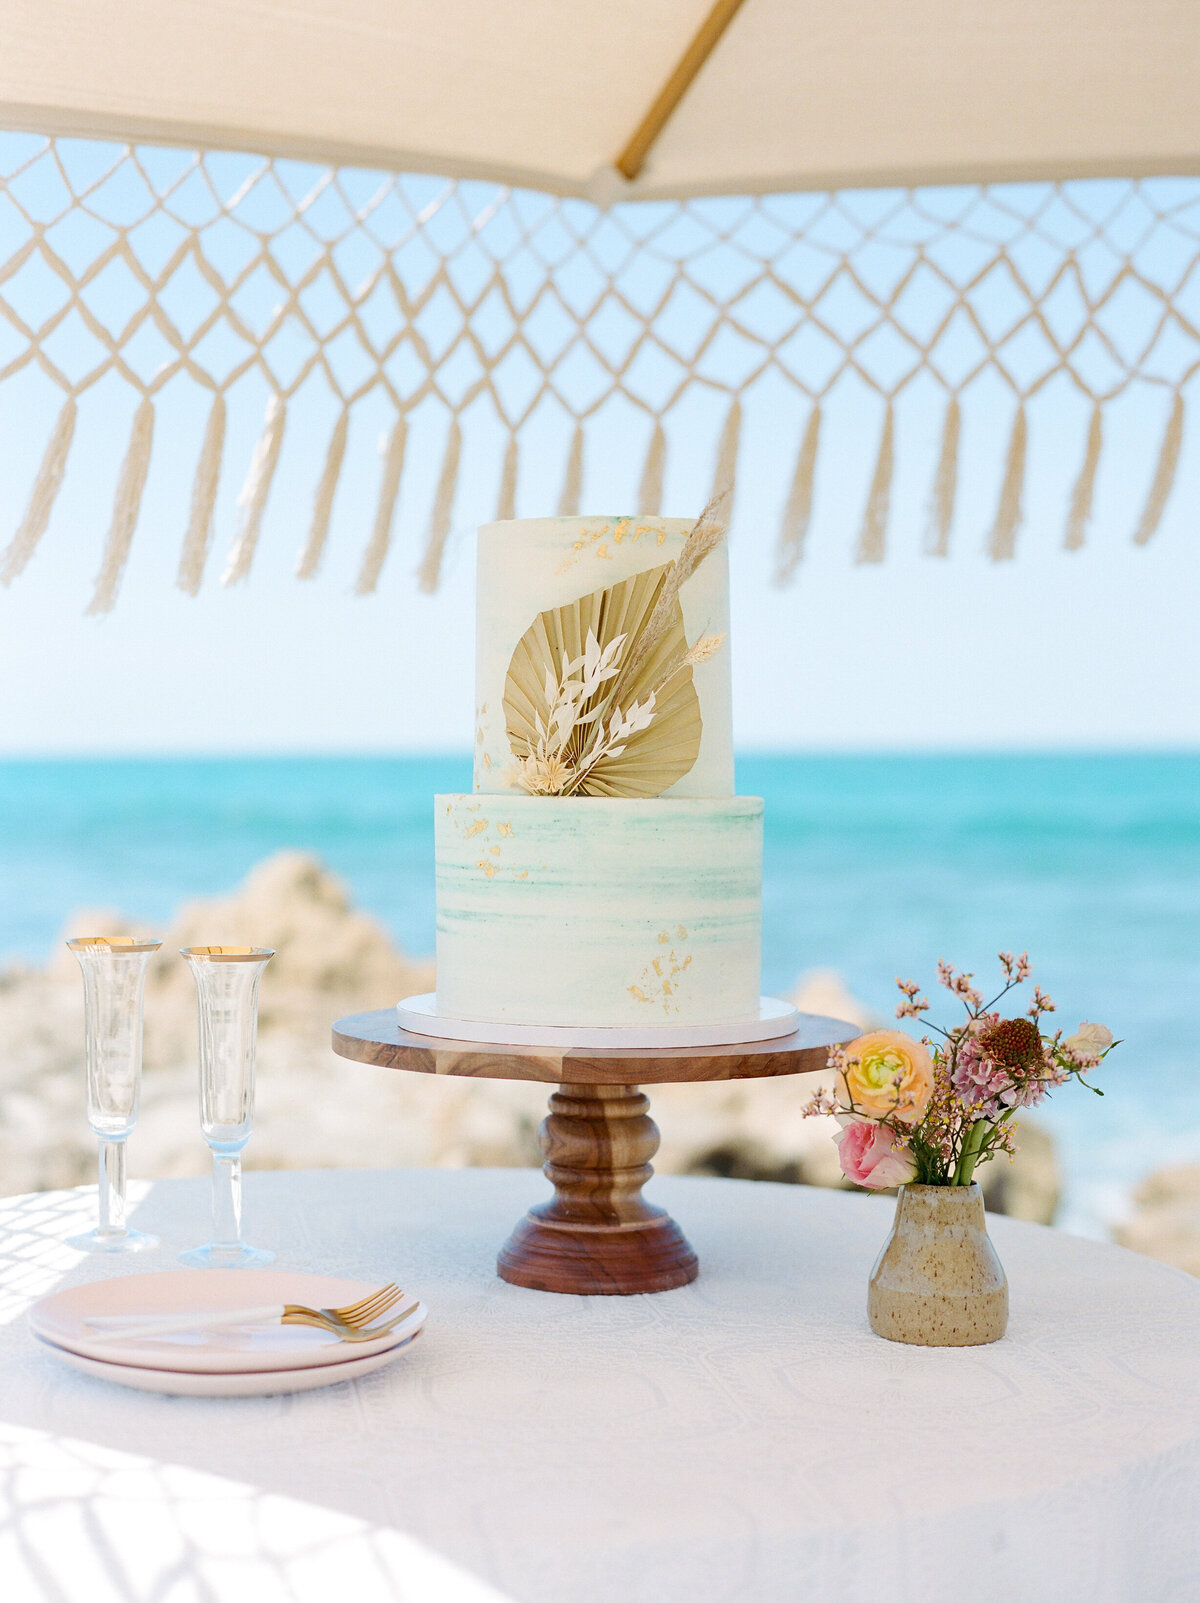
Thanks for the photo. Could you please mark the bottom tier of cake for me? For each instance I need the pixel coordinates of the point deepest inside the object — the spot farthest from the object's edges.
(590, 911)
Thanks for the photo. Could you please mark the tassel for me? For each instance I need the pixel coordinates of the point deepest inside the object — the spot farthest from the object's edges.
(725, 473)
(797, 513)
(443, 506)
(1085, 485)
(873, 536)
(506, 505)
(253, 499)
(125, 509)
(1164, 474)
(945, 485)
(389, 489)
(568, 501)
(310, 557)
(1002, 543)
(650, 490)
(198, 539)
(41, 501)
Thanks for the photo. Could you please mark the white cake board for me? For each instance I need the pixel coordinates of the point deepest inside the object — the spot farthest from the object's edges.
(774, 1019)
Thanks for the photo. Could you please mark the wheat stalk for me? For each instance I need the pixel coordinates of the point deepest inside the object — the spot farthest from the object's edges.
(704, 538)
(707, 646)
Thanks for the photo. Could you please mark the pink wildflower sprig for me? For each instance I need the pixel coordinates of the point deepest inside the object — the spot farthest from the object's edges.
(914, 1003)
(822, 1103)
(1016, 969)
(1041, 1004)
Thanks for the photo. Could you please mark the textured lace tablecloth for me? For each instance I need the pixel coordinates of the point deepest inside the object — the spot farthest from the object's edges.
(743, 1438)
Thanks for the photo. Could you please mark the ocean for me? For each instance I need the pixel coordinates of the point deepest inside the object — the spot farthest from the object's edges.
(874, 866)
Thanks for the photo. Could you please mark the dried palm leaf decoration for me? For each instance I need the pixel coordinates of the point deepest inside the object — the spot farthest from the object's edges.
(599, 699)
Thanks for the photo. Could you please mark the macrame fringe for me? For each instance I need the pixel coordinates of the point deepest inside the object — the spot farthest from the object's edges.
(650, 490)
(945, 484)
(126, 507)
(389, 489)
(1002, 542)
(253, 499)
(45, 490)
(198, 539)
(568, 501)
(318, 533)
(797, 513)
(1164, 474)
(443, 505)
(725, 474)
(872, 540)
(506, 503)
(1085, 485)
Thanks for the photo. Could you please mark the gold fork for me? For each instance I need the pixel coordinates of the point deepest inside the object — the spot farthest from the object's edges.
(319, 1318)
(348, 1323)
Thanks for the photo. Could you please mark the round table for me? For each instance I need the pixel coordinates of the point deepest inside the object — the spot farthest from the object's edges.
(597, 1235)
(744, 1439)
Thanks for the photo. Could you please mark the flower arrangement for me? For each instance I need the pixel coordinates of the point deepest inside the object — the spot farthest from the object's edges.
(931, 1111)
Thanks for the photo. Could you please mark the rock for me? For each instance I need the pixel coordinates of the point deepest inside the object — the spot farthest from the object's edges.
(1029, 1184)
(1166, 1220)
(823, 991)
(313, 1108)
(316, 1110)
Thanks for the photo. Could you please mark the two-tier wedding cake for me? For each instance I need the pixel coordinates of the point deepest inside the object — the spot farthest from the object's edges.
(602, 876)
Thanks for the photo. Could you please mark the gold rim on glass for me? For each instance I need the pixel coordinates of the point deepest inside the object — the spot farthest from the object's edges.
(227, 954)
(112, 943)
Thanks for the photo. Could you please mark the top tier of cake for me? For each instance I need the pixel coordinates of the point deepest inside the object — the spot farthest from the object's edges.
(529, 565)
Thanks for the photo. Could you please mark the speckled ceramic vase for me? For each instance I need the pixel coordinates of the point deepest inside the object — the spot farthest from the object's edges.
(938, 1281)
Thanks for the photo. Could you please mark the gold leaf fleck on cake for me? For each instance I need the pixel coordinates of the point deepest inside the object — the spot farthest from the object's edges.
(495, 850)
(477, 828)
(524, 874)
(681, 932)
(620, 529)
(488, 868)
(663, 937)
(602, 552)
(487, 761)
(659, 980)
(504, 829)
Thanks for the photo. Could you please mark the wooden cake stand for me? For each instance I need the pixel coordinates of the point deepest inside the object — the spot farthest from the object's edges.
(596, 1234)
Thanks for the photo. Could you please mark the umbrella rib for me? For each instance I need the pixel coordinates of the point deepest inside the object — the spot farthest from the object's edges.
(633, 158)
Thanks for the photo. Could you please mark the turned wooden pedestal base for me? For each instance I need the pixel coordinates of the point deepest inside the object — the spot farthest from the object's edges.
(597, 1235)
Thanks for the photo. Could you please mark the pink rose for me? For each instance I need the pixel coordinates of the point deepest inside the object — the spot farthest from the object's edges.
(871, 1155)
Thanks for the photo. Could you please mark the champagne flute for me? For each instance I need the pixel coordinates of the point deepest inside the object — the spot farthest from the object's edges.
(114, 988)
(227, 980)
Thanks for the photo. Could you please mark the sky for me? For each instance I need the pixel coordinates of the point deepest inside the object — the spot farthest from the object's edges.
(1096, 648)
(1087, 649)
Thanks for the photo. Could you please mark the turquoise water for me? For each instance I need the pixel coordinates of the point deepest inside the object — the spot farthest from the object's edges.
(874, 866)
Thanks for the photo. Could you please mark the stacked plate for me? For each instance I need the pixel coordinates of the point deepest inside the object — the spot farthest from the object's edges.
(250, 1360)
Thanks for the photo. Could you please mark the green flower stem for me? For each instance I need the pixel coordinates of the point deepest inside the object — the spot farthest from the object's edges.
(969, 1155)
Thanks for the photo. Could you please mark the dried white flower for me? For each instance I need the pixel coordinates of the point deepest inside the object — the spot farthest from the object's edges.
(1089, 1041)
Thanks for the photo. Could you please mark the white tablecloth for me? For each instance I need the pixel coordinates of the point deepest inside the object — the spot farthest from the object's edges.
(744, 1438)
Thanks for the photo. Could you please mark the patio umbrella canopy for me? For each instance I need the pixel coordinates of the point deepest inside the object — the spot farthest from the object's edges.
(636, 210)
(550, 93)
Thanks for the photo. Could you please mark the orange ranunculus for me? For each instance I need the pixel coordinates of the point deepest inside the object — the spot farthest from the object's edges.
(887, 1075)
